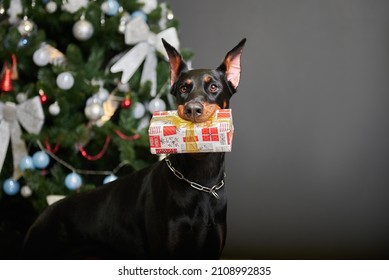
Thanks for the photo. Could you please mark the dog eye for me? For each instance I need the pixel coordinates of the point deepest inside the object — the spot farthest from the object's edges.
(183, 89)
(213, 88)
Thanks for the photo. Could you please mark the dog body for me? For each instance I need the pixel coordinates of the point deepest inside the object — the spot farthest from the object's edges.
(151, 214)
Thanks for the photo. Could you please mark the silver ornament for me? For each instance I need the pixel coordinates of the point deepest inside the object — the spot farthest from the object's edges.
(124, 87)
(41, 57)
(65, 80)
(26, 191)
(26, 27)
(125, 18)
(138, 110)
(94, 111)
(54, 109)
(102, 94)
(21, 97)
(73, 6)
(83, 30)
(51, 7)
(157, 104)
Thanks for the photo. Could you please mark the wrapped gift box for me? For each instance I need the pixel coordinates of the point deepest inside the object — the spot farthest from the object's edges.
(169, 134)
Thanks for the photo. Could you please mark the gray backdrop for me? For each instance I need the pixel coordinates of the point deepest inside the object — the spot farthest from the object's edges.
(308, 175)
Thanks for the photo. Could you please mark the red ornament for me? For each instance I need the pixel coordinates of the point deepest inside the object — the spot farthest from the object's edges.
(126, 103)
(5, 82)
(43, 97)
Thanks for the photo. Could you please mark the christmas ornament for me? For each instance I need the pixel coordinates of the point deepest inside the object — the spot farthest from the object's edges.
(126, 102)
(73, 6)
(123, 87)
(5, 82)
(26, 191)
(170, 15)
(23, 42)
(11, 187)
(109, 179)
(65, 80)
(42, 96)
(83, 30)
(102, 94)
(48, 54)
(26, 163)
(138, 110)
(139, 14)
(21, 97)
(26, 26)
(40, 159)
(157, 104)
(94, 111)
(54, 109)
(41, 57)
(148, 5)
(110, 7)
(147, 43)
(31, 117)
(51, 7)
(124, 19)
(73, 181)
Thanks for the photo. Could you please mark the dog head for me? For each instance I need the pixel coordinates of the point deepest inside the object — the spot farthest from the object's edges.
(200, 92)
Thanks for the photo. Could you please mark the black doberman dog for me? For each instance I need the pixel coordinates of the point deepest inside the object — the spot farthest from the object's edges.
(151, 214)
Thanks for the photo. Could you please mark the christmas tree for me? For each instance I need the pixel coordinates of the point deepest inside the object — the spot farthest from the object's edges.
(80, 80)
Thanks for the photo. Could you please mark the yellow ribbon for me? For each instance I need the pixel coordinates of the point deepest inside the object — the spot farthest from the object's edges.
(190, 138)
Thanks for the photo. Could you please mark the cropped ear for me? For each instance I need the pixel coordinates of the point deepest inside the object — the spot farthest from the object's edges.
(177, 64)
(231, 64)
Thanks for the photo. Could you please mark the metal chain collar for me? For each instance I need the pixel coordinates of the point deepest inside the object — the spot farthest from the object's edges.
(195, 185)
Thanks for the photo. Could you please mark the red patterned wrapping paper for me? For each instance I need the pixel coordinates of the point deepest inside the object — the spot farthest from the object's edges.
(169, 134)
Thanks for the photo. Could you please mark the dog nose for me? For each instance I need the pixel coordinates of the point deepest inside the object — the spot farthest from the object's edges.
(194, 110)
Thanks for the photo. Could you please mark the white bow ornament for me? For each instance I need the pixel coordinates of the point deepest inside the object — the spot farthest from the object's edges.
(147, 43)
(31, 117)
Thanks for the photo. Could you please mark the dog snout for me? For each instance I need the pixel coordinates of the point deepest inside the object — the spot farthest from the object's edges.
(193, 110)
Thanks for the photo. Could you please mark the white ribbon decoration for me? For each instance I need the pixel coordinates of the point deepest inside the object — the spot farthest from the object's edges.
(147, 43)
(31, 117)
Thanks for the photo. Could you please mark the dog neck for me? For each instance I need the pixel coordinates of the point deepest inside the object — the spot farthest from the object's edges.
(204, 168)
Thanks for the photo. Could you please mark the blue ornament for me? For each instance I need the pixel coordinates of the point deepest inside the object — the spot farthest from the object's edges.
(40, 160)
(11, 186)
(111, 7)
(26, 163)
(73, 181)
(140, 14)
(23, 42)
(109, 179)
